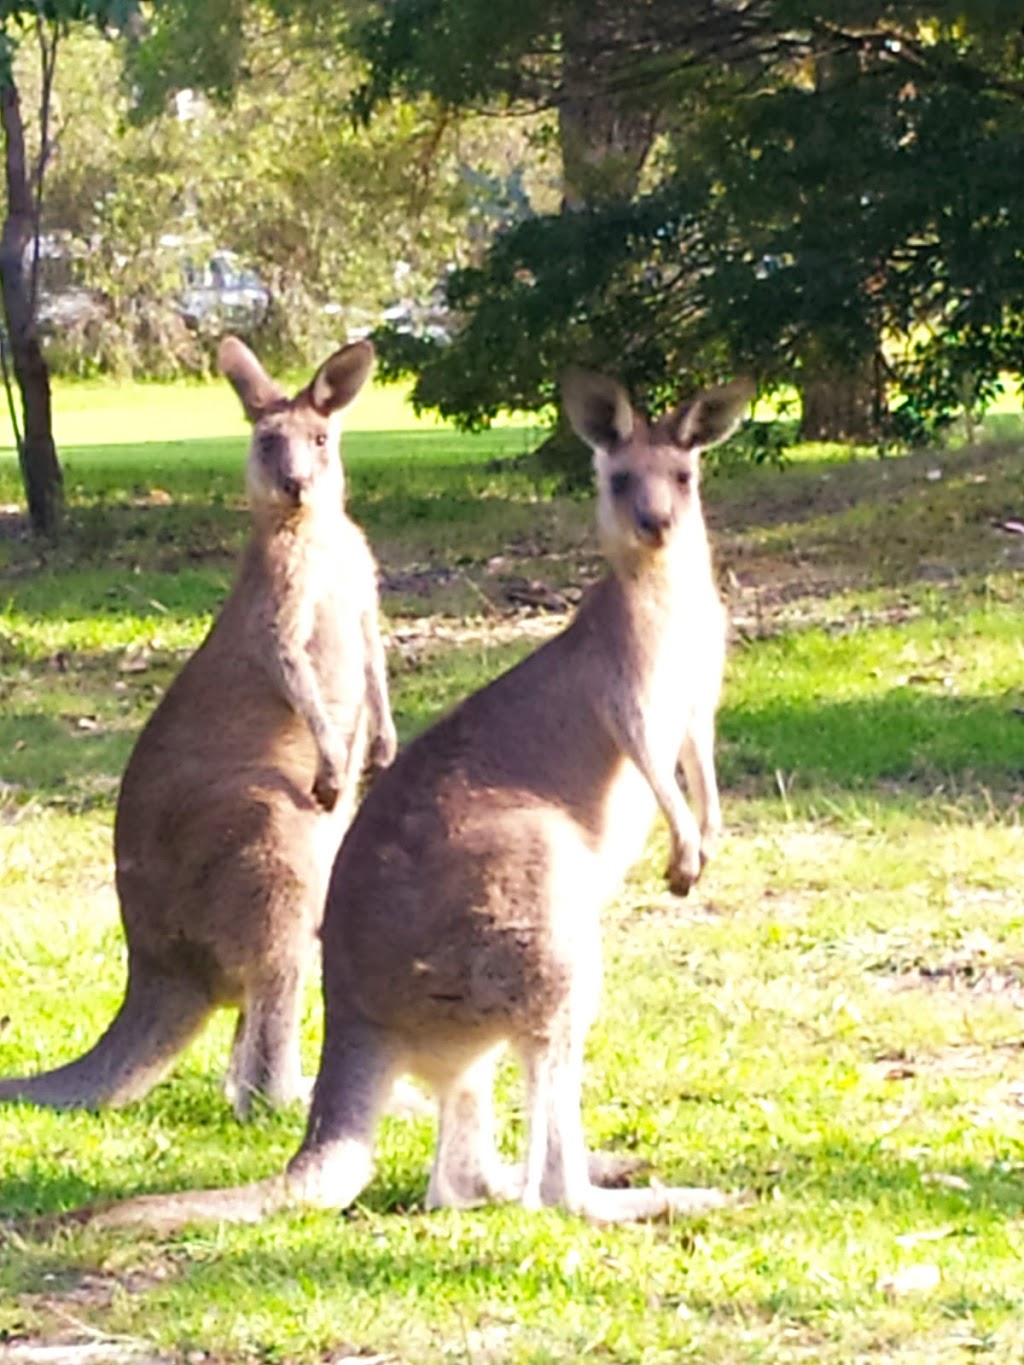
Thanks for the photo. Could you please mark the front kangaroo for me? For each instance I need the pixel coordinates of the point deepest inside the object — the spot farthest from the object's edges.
(245, 777)
(463, 908)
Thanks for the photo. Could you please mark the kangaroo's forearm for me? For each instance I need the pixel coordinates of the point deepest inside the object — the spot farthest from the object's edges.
(301, 690)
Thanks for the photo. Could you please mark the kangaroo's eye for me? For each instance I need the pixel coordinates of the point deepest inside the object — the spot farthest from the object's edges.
(683, 478)
(320, 438)
(619, 482)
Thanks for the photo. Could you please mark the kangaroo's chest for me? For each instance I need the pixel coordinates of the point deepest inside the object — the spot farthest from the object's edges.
(666, 677)
(316, 607)
(677, 672)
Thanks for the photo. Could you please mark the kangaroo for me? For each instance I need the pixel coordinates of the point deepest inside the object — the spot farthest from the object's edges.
(463, 907)
(241, 784)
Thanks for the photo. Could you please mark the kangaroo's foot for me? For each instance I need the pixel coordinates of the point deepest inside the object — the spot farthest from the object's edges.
(614, 1170)
(653, 1202)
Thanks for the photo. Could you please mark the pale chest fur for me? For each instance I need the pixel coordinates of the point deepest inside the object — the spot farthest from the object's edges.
(685, 671)
(671, 667)
(318, 587)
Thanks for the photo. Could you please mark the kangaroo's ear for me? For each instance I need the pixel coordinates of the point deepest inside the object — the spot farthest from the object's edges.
(248, 377)
(598, 408)
(710, 417)
(340, 377)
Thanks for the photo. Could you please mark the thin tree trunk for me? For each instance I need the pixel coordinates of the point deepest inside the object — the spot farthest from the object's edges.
(38, 454)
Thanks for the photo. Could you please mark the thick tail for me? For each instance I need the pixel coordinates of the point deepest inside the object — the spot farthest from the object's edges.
(168, 1213)
(159, 1016)
(320, 1175)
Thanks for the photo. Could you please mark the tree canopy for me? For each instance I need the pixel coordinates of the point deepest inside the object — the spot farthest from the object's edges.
(824, 196)
(255, 149)
(829, 201)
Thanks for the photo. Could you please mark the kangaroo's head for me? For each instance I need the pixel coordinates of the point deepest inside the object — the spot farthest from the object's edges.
(294, 467)
(648, 471)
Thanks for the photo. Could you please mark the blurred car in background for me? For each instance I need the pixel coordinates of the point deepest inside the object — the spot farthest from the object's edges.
(220, 292)
(216, 291)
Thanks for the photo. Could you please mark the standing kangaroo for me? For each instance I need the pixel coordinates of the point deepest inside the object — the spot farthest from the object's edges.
(244, 779)
(463, 908)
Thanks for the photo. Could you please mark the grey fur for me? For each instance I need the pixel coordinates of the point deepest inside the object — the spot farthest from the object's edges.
(245, 777)
(463, 908)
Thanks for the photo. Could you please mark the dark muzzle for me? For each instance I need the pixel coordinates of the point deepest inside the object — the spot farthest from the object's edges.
(293, 489)
(653, 528)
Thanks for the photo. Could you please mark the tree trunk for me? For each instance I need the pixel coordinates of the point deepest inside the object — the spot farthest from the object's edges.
(604, 136)
(565, 458)
(604, 139)
(842, 404)
(39, 464)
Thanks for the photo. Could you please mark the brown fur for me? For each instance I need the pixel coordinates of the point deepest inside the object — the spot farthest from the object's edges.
(244, 779)
(463, 908)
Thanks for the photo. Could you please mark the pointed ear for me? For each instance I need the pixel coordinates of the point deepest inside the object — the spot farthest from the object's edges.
(340, 378)
(248, 377)
(598, 408)
(711, 416)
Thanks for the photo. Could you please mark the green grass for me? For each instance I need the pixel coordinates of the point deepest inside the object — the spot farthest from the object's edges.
(832, 1022)
(103, 413)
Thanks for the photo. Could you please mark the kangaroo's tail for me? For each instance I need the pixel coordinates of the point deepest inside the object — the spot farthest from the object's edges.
(159, 1016)
(168, 1213)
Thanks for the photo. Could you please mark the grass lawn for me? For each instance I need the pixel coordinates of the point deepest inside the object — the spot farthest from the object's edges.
(833, 1021)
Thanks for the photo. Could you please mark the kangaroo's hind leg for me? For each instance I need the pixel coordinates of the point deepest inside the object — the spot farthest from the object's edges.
(557, 1162)
(467, 1169)
(265, 1056)
(358, 1066)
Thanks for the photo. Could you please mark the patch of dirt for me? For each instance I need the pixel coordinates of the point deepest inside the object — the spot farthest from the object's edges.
(777, 599)
(13, 522)
(95, 1351)
(968, 978)
(418, 582)
(999, 1062)
(975, 968)
(66, 1310)
(411, 636)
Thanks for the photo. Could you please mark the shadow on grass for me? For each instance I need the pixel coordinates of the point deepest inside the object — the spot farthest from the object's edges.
(171, 506)
(47, 757)
(764, 498)
(843, 1177)
(905, 735)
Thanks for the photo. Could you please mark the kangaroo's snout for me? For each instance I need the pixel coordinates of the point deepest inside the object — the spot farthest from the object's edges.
(653, 527)
(291, 469)
(656, 508)
(293, 488)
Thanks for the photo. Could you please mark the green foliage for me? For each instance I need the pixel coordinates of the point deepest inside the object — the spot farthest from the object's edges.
(601, 287)
(64, 13)
(461, 52)
(169, 57)
(60, 17)
(845, 202)
(338, 221)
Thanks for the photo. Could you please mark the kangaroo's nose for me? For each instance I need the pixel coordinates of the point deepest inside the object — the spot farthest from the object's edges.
(653, 527)
(293, 488)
